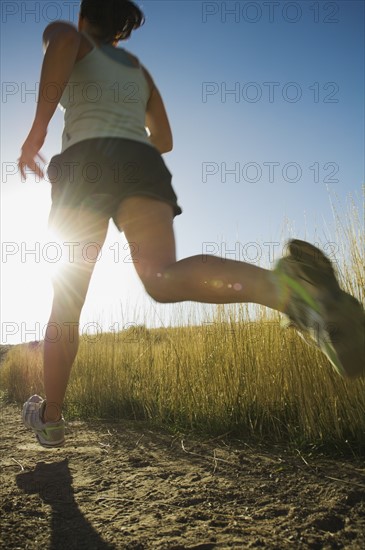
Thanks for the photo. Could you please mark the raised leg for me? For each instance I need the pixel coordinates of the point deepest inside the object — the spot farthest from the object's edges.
(148, 227)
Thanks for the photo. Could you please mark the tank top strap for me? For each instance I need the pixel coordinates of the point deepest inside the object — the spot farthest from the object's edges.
(88, 37)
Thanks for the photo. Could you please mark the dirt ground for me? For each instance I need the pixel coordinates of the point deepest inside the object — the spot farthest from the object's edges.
(125, 486)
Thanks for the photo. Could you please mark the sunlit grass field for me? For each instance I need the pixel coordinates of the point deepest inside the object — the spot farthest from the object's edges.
(238, 374)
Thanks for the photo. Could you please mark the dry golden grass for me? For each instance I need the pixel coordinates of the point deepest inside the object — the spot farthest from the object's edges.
(232, 374)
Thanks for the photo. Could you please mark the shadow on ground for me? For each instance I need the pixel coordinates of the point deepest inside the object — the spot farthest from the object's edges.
(69, 527)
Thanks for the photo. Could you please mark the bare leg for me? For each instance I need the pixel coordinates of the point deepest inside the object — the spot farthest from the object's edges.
(147, 224)
(60, 349)
(213, 280)
(70, 288)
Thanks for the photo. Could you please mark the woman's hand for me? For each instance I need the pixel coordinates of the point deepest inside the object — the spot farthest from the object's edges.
(30, 152)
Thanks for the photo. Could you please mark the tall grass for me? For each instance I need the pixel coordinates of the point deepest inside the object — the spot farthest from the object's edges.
(234, 374)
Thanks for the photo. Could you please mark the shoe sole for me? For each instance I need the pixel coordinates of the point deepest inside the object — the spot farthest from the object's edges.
(49, 445)
(310, 265)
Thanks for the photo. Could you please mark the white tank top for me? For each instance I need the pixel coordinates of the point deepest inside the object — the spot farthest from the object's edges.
(106, 96)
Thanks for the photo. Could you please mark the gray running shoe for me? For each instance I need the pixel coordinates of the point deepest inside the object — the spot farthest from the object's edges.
(320, 310)
(48, 434)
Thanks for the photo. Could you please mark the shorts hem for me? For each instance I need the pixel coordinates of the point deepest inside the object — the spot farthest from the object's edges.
(177, 211)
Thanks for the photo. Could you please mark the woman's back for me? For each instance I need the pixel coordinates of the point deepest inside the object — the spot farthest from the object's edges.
(106, 95)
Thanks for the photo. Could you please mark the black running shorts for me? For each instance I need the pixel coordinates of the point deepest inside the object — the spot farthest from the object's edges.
(101, 172)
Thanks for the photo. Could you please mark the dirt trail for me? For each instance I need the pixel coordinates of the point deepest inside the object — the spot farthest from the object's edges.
(123, 486)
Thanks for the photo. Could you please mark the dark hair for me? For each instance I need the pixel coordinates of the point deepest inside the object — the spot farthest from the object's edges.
(116, 19)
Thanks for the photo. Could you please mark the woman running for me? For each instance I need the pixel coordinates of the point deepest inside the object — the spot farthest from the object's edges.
(111, 167)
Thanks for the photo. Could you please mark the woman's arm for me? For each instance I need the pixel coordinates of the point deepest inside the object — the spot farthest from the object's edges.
(61, 42)
(156, 119)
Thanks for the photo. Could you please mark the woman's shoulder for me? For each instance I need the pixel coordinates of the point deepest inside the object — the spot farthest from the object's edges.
(61, 31)
(66, 30)
(133, 58)
(59, 27)
(137, 63)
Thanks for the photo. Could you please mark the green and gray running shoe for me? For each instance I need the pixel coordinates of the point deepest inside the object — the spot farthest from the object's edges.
(48, 434)
(320, 310)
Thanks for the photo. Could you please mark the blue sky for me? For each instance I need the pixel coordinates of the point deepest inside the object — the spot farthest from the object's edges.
(266, 103)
